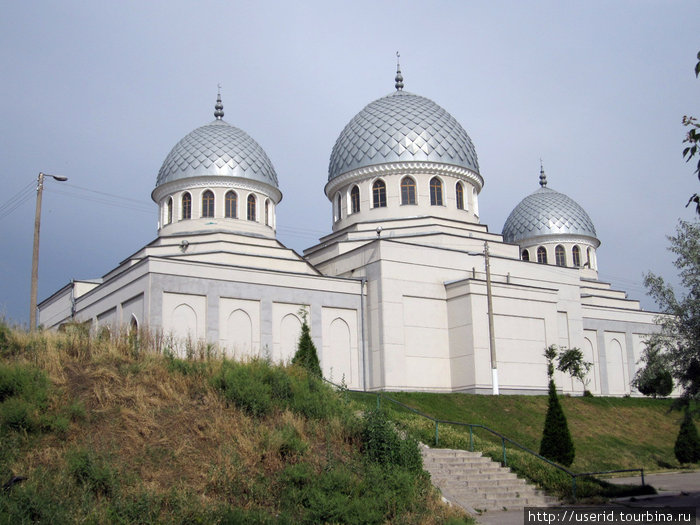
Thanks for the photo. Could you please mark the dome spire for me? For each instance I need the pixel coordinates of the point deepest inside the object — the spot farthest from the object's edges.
(219, 107)
(543, 177)
(399, 78)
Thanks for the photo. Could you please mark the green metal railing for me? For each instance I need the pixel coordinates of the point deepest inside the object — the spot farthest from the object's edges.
(504, 439)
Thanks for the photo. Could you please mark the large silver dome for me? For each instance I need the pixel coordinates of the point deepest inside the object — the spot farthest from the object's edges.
(217, 149)
(401, 127)
(547, 212)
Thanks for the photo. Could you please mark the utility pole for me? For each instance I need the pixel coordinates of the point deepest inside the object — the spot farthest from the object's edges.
(492, 334)
(35, 252)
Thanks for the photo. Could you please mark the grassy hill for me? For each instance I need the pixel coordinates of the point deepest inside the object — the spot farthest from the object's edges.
(106, 432)
(608, 433)
(114, 429)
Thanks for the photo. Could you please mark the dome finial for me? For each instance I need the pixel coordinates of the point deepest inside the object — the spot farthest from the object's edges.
(543, 177)
(399, 78)
(219, 107)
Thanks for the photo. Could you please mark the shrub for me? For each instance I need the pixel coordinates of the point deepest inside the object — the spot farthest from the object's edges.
(34, 501)
(16, 414)
(92, 472)
(22, 381)
(8, 343)
(243, 386)
(654, 379)
(381, 443)
(687, 447)
(556, 441)
(259, 387)
(291, 444)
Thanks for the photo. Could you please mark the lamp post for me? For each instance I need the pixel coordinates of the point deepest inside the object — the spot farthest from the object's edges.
(492, 332)
(35, 253)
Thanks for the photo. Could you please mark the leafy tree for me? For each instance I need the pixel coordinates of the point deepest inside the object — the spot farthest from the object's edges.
(692, 138)
(571, 362)
(654, 379)
(680, 326)
(306, 355)
(550, 353)
(687, 447)
(556, 441)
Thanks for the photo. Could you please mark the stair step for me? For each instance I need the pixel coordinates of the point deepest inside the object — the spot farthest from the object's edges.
(476, 482)
(467, 481)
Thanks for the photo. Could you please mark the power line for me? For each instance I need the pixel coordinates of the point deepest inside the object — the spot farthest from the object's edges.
(137, 201)
(108, 202)
(17, 200)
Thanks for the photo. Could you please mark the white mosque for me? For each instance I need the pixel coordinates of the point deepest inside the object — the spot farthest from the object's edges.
(408, 292)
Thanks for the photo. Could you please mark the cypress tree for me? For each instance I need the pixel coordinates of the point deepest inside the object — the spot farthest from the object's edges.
(687, 447)
(306, 355)
(556, 440)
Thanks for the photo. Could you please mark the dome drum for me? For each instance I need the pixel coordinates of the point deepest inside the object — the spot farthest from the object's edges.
(394, 194)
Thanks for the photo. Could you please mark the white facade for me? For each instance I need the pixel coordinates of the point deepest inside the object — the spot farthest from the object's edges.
(396, 295)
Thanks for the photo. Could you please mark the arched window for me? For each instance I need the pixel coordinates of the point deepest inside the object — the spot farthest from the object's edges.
(526, 255)
(541, 255)
(169, 211)
(576, 252)
(459, 192)
(408, 191)
(589, 262)
(267, 212)
(355, 199)
(560, 255)
(435, 192)
(187, 206)
(251, 207)
(231, 205)
(207, 204)
(379, 194)
(338, 202)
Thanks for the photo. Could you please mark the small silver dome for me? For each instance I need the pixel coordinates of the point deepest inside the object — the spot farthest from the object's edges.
(217, 149)
(401, 127)
(547, 212)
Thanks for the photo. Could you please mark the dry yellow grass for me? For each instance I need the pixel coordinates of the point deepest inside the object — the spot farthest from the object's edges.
(170, 430)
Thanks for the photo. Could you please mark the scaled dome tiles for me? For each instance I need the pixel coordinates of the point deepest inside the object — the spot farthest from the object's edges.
(217, 149)
(401, 127)
(547, 212)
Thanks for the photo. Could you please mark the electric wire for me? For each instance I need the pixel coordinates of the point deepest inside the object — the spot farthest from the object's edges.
(106, 201)
(128, 199)
(14, 202)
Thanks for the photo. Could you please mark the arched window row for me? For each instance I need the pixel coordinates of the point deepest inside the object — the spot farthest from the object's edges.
(408, 193)
(560, 256)
(208, 207)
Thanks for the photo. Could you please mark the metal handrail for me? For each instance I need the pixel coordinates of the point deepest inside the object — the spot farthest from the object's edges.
(504, 439)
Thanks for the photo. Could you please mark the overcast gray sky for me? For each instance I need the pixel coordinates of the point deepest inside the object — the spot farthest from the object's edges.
(101, 91)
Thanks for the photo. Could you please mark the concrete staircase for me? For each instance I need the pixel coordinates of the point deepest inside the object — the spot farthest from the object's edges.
(478, 484)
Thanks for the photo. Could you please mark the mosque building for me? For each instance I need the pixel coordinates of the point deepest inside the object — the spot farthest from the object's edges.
(409, 291)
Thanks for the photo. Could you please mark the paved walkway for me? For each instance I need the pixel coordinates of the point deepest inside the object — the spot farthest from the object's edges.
(675, 489)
